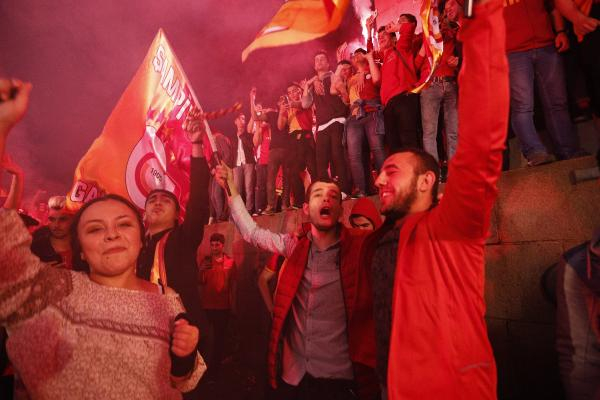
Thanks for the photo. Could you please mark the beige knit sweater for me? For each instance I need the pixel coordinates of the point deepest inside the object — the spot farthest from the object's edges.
(70, 338)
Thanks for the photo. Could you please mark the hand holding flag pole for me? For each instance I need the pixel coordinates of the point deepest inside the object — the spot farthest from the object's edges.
(196, 120)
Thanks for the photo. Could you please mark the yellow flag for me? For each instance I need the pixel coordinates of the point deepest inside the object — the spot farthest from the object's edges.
(142, 145)
(299, 21)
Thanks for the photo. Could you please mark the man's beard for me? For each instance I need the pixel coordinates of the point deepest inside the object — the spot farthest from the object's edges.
(402, 206)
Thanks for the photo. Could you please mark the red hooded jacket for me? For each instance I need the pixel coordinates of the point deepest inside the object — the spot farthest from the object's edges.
(398, 72)
(439, 347)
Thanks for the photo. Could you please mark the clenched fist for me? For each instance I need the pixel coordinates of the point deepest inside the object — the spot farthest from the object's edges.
(185, 338)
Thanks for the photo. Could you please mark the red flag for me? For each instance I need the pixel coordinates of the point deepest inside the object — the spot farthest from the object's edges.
(142, 145)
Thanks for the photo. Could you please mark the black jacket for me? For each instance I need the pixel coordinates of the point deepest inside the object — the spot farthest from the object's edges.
(247, 145)
(180, 250)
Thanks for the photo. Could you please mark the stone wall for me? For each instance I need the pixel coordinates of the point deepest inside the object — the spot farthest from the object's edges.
(539, 215)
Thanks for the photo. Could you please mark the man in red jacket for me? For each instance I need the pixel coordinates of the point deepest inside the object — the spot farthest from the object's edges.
(398, 77)
(322, 338)
(427, 260)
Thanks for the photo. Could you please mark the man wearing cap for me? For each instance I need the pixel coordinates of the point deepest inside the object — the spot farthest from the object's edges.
(216, 278)
(169, 253)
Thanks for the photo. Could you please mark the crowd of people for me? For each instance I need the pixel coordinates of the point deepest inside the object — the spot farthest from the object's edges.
(342, 122)
(111, 302)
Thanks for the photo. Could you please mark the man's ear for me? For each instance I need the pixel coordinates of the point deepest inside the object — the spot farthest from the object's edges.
(305, 209)
(426, 182)
(82, 256)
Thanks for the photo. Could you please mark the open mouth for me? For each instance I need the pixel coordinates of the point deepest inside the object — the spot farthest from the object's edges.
(325, 211)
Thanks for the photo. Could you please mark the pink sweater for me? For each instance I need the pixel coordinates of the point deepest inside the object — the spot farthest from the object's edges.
(71, 338)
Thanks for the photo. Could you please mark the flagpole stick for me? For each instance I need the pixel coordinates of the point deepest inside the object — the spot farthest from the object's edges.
(209, 135)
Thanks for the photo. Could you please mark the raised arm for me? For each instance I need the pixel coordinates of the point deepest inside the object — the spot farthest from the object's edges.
(262, 238)
(15, 193)
(257, 134)
(20, 270)
(14, 98)
(483, 86)
(338, 85)
(197, 209)
(373, 69)
(282, 117)
(307, 94)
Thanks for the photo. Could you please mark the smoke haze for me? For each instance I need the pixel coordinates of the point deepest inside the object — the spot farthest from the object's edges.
(80, 56)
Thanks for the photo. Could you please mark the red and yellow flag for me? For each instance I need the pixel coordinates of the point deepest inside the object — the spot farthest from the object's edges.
(432, 39)
(142, 145)
(299, 21)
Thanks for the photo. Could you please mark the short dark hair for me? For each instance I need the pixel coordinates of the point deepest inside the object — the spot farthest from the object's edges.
(324, 180)
(169, 194)
(425, 162)
(410, 17)
(78, 263)
(344, 62)
(390, 34)
(217, 237)
(360, 50)
(319, 52)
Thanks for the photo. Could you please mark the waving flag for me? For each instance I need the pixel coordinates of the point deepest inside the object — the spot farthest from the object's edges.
(432, 38)
(142, 145)
(299, 21)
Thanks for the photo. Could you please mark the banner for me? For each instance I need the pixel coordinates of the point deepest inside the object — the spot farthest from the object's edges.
(142, 145)
(432, 38)
(299, 21)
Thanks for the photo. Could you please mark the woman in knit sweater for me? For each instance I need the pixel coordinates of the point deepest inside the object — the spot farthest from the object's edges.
(102, 335)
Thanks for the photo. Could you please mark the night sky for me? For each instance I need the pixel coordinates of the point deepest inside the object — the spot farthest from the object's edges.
(81, 54)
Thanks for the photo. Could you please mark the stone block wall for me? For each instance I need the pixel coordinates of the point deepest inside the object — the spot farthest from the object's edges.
(539, 215)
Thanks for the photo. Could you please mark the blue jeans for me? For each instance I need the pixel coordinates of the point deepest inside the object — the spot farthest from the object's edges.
(356, 131)
(260, 197)
(431, 98)
(244, 178)
(545, 66)
(218, 201)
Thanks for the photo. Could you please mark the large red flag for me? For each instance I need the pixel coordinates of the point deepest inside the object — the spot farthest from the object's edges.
(299, 21)
(142, 145)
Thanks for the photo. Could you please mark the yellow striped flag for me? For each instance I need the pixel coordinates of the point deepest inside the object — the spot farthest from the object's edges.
(299, 21)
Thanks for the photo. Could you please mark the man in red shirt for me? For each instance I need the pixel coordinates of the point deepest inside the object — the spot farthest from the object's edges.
(532, 47)
(217, 281)
(398, 78)
(427, 260)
